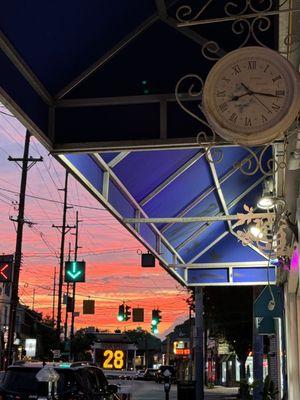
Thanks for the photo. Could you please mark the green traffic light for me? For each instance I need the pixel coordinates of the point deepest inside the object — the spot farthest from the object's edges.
(120, 318)
(155, 330)
(154, 322)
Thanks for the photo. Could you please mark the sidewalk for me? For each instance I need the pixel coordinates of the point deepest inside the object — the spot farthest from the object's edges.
(220, 393)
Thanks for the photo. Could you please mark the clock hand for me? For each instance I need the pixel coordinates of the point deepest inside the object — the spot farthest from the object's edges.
(245, 87)
(265, 94)
(263, 104)
(235, 98)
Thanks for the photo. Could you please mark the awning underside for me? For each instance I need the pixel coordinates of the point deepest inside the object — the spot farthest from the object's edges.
(178, 183)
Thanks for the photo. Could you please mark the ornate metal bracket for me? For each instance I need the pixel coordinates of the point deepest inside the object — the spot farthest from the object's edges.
(248, 21)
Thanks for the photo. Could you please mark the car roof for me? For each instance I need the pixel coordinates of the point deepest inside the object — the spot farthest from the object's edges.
(57, 366)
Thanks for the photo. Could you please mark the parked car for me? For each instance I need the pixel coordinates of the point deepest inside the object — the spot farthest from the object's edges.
(150, 374)
(160, 376)
(78, 381)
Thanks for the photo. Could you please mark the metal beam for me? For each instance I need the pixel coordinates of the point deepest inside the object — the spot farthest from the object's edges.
(108, 56)
(187, 220)
(231, 204)
(78, 175)
(19, 113)
(120, 157)
(222, 265)
(215, 177)
(208, 191)
(236, 17)
(161, 9)
(227, 232)
(24, 69)
(172, 177)
(191, 34)
(103, 165)
(123, 100)
(134, 145)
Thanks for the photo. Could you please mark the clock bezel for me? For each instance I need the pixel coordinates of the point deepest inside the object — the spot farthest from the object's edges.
(259, 137)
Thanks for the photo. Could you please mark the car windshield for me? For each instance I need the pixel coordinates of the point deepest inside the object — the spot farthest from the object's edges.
(24, 381)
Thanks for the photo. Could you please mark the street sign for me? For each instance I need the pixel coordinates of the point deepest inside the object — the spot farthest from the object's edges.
(137, 315)
(88, 307)
(110, 358)
(6, 268)
(74, 271)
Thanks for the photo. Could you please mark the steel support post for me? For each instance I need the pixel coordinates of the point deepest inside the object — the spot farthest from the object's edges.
(198, 343)
(62, 260)
(258, 351)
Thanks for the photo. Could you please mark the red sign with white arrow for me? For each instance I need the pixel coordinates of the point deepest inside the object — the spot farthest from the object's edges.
(6, 268)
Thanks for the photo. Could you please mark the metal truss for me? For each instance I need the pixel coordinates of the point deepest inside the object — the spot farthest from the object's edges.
(103, 198)
(229, 206)
(210, 190)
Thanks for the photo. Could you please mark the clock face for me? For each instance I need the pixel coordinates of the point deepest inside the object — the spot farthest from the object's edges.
(251, 95)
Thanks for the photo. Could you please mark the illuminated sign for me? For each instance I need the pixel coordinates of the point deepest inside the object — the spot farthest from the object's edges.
(6, 268)
(181, 348)
(74, 271)
(110, 358)
(182, 352)
(30, 347)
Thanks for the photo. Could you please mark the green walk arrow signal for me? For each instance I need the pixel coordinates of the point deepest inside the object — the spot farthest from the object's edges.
(74, 271)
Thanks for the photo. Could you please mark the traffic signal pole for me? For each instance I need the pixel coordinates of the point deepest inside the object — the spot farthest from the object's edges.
(64, 230)
(27, 163)
(198, 342)
(74, 284)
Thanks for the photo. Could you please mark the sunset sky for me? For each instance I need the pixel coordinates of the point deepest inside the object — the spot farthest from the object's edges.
(113, 270)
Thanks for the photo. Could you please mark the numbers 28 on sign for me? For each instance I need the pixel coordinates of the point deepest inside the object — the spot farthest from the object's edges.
(110, 358)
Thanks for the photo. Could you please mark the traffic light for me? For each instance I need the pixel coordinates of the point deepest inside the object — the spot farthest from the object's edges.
(74, 271)
(124, 313)
(156, 317)
(154, 329)
(127, 313)
(121, 313)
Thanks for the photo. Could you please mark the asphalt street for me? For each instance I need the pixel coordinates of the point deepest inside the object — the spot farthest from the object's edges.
(145, 390)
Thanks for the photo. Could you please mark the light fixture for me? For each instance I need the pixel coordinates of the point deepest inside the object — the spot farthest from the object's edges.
(267, 200)
(256, 232)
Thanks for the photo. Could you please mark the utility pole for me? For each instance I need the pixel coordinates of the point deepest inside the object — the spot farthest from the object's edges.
(64, 230)
(53, 300)
(74, 284)
(68, 290)
(33, 299)
(199, 350)
(26, 163)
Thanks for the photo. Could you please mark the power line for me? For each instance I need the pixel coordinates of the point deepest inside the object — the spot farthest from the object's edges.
(54, 201)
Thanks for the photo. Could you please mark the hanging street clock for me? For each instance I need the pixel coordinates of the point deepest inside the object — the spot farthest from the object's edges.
(251, 96)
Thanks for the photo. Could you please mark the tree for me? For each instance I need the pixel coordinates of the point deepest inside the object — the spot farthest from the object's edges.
(81, 345)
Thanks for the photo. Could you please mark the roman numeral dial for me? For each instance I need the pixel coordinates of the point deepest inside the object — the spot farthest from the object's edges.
(252, 92)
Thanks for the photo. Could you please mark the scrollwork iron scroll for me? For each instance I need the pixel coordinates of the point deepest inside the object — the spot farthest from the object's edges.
(249, 20)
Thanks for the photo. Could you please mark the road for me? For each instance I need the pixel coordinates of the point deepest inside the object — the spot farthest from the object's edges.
(145, 390)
